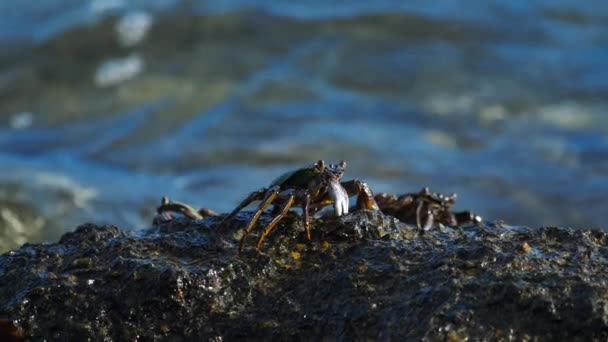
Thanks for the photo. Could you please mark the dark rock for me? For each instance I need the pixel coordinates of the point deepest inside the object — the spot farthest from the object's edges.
(363, 276)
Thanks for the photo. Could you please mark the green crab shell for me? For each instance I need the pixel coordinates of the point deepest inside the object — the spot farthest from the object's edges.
(296, 179)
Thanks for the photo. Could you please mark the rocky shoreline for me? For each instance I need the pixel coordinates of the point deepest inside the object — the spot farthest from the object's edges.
(364, 275)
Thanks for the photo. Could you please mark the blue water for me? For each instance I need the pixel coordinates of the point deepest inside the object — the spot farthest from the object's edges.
(502, 103)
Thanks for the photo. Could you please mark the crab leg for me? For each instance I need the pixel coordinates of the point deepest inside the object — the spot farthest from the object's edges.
(365, 199)
(271, 195)
(467, 217)
(429, 222)
(306, 209)
(275, 221)
(254, 196)
(206, 212)
(418, 211)
(430, 219)
(169, 206)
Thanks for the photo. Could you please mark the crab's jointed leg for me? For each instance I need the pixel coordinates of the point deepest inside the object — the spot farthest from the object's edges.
(365, 198)
(271, 195)
(205, 212)
(418, 211)
(275, 220)
(306, 212)
(167, 207)
(254, 196)
(429, 219)
(467, 216)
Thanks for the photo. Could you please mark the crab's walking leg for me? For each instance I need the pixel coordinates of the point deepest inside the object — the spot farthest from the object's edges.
(271, 195)
(365, 199)
(306, 209)
(275, 221)
(206, 212)
(254, 196)
(168, 206)
(418, 211)
(429, 219)
(467, 217)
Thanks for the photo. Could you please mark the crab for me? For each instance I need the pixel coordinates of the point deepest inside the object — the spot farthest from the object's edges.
(168, 210)
(427, 206)
(312, 188)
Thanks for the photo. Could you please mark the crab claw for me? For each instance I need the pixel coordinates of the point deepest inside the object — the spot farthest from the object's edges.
(339, 196)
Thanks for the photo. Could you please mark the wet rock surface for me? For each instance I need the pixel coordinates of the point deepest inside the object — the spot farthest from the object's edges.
(364, 275)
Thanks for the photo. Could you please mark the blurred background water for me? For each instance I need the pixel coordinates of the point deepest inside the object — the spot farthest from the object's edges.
(107, 105)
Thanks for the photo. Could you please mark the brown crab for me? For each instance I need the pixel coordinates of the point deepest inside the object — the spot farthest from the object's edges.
(312, 188)
(425, 206)
(168, 210)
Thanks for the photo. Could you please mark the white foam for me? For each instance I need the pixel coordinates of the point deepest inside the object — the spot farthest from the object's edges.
(118, 70)
(133, 28)
(82, 195)
(21, 120)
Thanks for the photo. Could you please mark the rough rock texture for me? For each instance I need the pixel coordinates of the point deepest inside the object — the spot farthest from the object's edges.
(364, 275)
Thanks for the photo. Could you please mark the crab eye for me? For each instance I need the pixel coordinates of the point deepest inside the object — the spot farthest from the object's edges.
(320, 165)
(336, 169)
